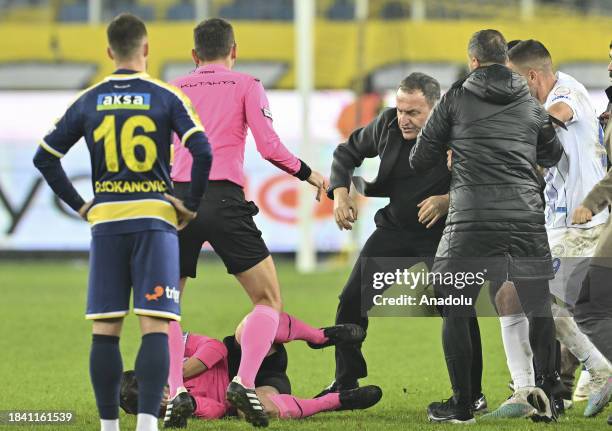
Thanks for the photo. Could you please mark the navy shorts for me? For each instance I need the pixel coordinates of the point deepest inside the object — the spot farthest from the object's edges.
(148, 261)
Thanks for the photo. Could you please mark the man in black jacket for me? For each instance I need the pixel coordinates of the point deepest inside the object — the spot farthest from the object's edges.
(498, 134)
(412, 223)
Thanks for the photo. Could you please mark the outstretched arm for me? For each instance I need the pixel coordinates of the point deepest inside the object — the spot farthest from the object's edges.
(600, 197)
(269, 145)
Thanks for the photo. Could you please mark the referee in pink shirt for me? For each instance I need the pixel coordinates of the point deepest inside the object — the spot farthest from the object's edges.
(229, 103)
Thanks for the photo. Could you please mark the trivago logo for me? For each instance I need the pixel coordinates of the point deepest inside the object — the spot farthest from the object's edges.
(159, 291)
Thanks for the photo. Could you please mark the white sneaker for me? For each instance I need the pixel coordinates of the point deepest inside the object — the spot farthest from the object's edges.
(582, 387)
(517, 406)
(596, 381)
(599, 400)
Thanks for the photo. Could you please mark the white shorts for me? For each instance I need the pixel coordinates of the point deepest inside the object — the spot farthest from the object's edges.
(571, 249)
(574, 242)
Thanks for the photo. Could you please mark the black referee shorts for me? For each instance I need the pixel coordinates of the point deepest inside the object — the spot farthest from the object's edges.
(273, 369)
(225, 220)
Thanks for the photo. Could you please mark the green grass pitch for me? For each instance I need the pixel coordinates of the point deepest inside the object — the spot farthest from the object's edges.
(44, 345)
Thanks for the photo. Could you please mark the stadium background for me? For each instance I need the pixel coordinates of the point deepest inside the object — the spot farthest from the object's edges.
(49, 49)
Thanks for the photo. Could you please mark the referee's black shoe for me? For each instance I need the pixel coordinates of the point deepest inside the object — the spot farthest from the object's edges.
(360, 398)
(344, 333)
(450, 412)
(178, 410)
(246, 400)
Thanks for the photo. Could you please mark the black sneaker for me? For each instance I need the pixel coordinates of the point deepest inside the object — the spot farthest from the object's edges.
(480, 406)
(360, 398)
(556, 391)
(178, 410)
(344, 333)
(610, 420)
(449, 411)
(333, 387)
(553, 386)
(246, 400)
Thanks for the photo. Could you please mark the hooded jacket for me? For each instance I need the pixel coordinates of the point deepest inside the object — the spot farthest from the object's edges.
(498, 134)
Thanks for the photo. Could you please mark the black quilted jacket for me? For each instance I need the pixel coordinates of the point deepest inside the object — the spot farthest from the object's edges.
(498, 135)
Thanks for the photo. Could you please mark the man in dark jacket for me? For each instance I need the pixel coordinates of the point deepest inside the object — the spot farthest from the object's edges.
(498, 134)
(594, 308)
(412, 223)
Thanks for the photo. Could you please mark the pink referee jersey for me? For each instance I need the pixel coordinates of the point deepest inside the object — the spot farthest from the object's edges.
(208, 388)
(228, 103)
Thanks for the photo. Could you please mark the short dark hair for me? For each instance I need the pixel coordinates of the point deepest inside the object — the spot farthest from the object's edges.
(424, 83)
(488, 46)
(213, 39)
(513, 43)
(125, 33)
(529, 53)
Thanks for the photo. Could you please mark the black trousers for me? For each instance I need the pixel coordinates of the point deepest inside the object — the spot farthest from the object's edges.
(384, 242)
(460, 341)
(593, 310)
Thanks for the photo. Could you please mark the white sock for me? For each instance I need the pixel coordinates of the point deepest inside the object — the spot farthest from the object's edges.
(146, 422)
(579, 344)
(109, 424)
(515, 335)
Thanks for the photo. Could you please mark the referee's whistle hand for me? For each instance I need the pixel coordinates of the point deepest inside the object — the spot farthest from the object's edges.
(320, 182)
(183, 214)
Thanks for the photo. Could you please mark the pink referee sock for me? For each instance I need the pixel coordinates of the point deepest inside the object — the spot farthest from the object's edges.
(255, 341)
(291, 407)
(290, 328)
(176, 346)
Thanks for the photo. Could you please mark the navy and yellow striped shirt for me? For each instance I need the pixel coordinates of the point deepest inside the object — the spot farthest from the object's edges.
(127, 121)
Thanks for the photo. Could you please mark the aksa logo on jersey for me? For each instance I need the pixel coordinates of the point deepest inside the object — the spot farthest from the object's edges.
(107, 101)
(159, 291)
